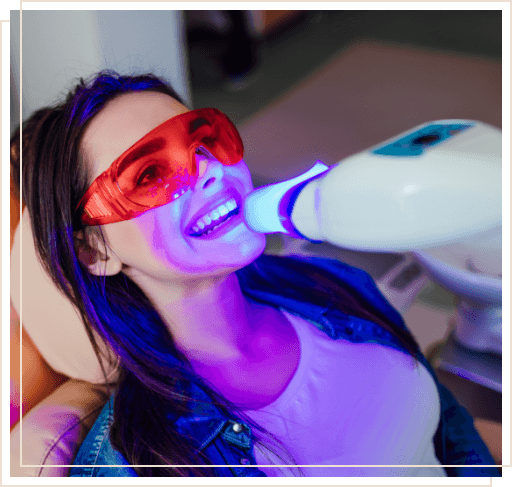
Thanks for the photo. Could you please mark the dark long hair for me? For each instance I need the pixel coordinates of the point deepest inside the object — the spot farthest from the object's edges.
(154, 377)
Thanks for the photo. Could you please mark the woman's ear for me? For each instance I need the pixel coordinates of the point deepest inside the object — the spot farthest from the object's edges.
(92, 252)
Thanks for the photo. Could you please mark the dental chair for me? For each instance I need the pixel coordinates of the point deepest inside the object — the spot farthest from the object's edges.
(53, 430)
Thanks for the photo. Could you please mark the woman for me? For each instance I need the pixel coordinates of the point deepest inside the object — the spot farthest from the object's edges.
(228, 358)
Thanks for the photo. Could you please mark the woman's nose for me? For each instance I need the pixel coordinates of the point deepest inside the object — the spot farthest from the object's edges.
(203, 165)
(209, 170)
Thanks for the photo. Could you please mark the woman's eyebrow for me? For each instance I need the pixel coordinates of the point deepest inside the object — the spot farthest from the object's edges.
(144, 150)
(197, 123)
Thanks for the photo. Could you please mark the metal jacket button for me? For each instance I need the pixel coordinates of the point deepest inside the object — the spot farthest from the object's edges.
(237, 428)
(245, 461)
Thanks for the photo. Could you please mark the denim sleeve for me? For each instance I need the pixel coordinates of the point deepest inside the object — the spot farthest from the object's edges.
(462, 443)
(96, 454)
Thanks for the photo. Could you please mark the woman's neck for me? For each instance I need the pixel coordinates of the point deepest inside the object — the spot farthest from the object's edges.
(210, 320)
(231, 342)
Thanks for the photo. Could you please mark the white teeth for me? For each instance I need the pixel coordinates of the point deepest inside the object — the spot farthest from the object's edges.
(207, 232)
(214, 215)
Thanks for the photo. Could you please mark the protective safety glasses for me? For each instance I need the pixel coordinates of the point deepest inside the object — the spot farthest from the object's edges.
(159, 167)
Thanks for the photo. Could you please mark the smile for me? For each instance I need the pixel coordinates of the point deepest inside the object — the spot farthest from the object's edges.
(218, 217)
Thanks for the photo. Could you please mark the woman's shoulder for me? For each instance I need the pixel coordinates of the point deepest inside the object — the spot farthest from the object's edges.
(96, 456)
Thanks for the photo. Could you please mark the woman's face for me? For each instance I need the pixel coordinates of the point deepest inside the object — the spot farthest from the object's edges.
(158, 244)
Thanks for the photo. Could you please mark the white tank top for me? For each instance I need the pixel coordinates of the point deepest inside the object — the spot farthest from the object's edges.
(351, 404)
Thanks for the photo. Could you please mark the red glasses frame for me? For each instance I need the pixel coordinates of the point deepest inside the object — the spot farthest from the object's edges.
(168, 155)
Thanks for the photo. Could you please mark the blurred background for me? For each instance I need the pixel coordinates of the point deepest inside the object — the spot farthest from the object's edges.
(301, 86)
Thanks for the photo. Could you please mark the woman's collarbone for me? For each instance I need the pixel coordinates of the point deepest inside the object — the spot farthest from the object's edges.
(259, 377)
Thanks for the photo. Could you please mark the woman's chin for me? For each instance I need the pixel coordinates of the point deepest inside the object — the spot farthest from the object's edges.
(249, 249)
(246, 252)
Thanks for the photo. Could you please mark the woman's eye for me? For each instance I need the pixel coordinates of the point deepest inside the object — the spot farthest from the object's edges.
(149, 175)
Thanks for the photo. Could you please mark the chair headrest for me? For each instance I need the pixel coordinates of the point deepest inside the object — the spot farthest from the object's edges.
(48, 317)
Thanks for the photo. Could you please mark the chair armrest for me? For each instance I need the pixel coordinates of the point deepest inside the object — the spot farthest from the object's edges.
(39, 380)
(462, 442)
(52, 432)
(491, 432)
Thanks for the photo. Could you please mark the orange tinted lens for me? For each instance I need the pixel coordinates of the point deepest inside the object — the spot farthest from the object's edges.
(155, 176)
(159, 167)
(220, 137)
(155, 170)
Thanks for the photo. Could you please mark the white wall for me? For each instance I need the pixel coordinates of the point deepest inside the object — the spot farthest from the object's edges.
(15, 68)
(146, 41)
(61, 46)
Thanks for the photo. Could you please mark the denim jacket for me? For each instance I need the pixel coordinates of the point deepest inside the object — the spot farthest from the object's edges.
(228, 442)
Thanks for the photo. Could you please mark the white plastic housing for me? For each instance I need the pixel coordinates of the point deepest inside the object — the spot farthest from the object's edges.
(389, 203)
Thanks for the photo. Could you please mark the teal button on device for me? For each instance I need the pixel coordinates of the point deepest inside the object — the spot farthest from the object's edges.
(416, 143)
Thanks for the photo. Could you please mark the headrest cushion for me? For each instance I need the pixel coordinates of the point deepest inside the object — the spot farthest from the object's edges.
(48, 316)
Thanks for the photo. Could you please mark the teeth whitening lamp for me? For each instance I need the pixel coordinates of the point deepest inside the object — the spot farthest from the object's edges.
(434, 190)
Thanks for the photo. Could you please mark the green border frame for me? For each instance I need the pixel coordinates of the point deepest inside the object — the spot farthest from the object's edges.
(8, 5)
